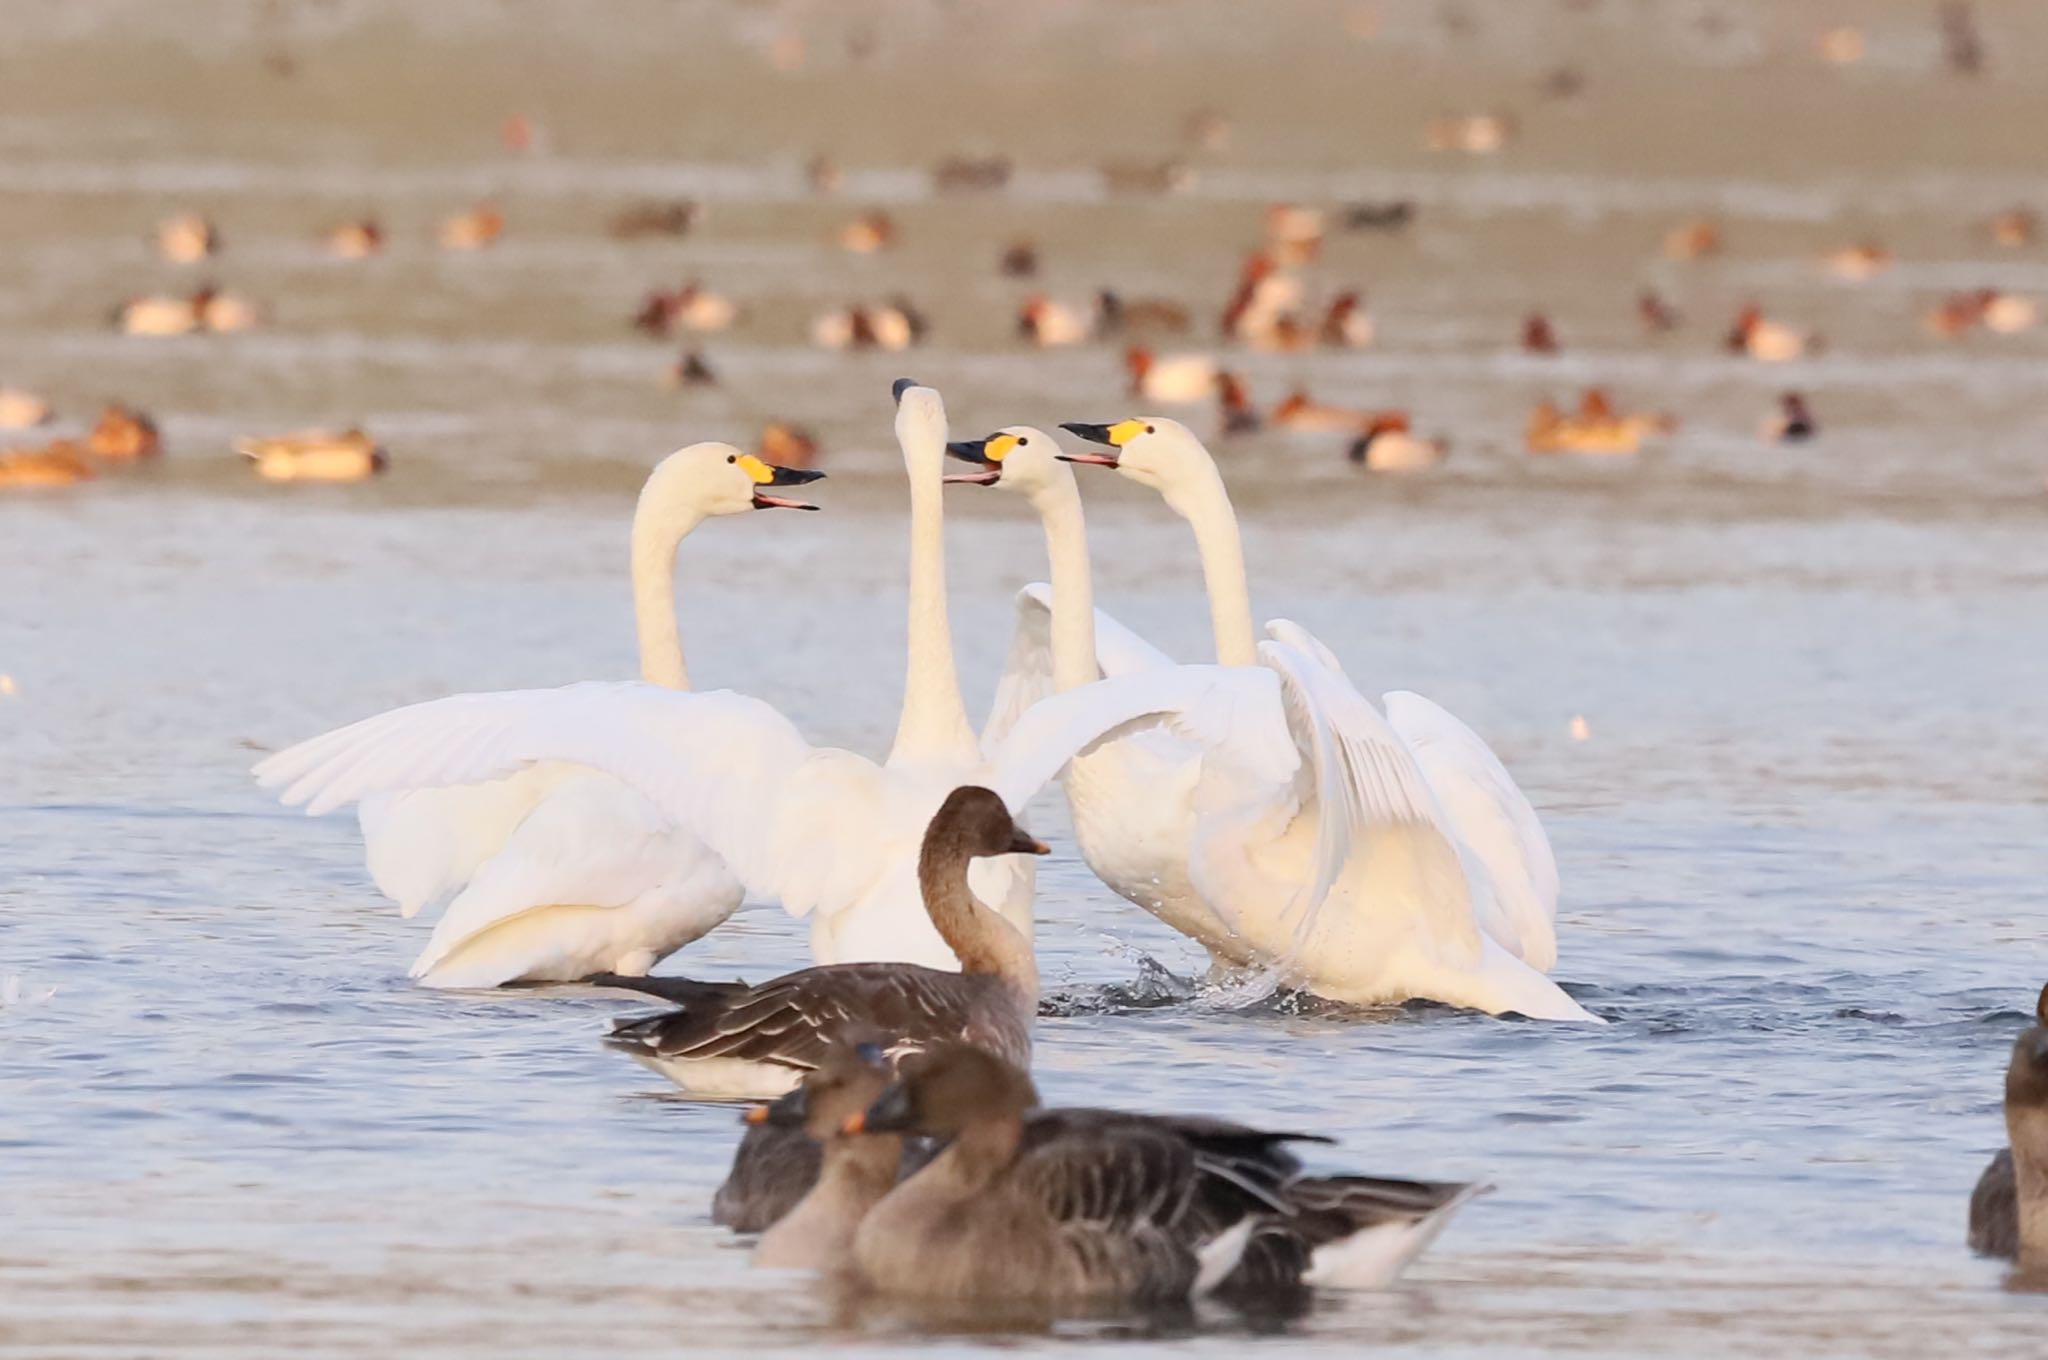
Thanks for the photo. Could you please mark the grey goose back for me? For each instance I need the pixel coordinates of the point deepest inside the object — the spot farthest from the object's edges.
(730, 1040)
(2009, 1208)
(1067, 1208)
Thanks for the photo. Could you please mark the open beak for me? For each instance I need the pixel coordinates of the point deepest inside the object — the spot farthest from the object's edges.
(1024, 843)
(1094, 434)
(767, 474)
(975, 451)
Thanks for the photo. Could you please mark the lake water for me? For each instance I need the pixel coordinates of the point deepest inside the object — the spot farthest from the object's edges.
(1800, 841)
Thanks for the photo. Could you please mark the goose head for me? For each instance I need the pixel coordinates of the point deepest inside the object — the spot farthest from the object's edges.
(2026, 1090)
(974, 822)
(1015, 458)
(945, 1090)
(851, 1077)
(717, 479)
(1152, 451)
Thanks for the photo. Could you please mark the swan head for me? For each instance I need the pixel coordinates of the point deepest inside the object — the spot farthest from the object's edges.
(945, 1090)
(1015, 458)
(1150, 450)
(718, 479)
(920, 428)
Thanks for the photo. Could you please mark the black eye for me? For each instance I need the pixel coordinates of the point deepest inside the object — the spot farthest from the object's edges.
(732, 458)
(1022, 442)
(1148, 429)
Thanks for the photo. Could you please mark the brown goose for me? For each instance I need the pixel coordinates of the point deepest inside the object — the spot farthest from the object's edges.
(842, 1177)
(732, 1040)
(1064, 1207)
(2009, 1208)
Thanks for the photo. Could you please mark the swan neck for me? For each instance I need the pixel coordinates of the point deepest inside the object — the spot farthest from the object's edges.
(655, 540)
(979, 937)
(1073, 593)
(1208, 512)
(934, 720)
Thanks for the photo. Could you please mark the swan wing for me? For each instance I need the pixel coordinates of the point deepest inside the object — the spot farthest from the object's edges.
(1494, 820)
(422, 846)
(1373, 805)
(1027, 674)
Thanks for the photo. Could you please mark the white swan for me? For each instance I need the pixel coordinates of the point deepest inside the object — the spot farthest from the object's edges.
(558, 872)
(827, 833)
(1222, 850)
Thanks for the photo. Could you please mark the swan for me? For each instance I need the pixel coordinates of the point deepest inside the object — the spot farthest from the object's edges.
(829, 834)
(1070, 1206)
(557, 872)
(1201, 836)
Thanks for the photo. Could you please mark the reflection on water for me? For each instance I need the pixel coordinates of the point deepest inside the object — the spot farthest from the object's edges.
(1800, 836)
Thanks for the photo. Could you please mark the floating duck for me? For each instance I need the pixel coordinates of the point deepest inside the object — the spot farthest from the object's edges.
(1176, 378)
(1019, 260)
(894, 325)
(1863, 261)
(1298, 412)
(692, 307)
(186, 239)
(472, 230)
(158, 316)
(1048, 324)
(1766, 340)
(2000, 312)
(1264, 298)
(1597, 428)
(1114, 314)
(665, 217)
(1791, 423)
(823, 174)
(691, 371)
(314, 456)
(2013, 227)
(1387, 446)
(969, 174)
(1294, 234)
(124, 435)
(1693, 240)
(355, 240)
(1346, 325)
(223, 313)
(1206, 130)
(1538, 337)
(1234, 401)
(1389, 215)
(788, 446)
(2009, 314)
(1658, 316)
(1477, 134)
(518, 133)
(1148, 177)
(868, 233)
(21, 410)
(57, 464)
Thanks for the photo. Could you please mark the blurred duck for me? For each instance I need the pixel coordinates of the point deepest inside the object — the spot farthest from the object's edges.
(1477, 134)
(1294, 234)
(2007, 314)
(894, 325)
(1658, 316)
(2009, 1207)
(1387, 446)
(1206, 130)
(159, 316)
(222, 313)
(1175, 378)
(1066, 1207)
(1693, 240)
(1791, 423)
(59, 463)
(21, 410)
(1049, 324)
(690, 370)
(1234, 402)
(1769, 341)
(1019, 260)
(693, 307)
(355, 240)
(1148, 177)
(472, 230)
(785, 445)
(313, 456)
(1347, 325)
(823, 174)
(186, 239)
(1115, 315)
(2003, 313)
(868, 233)
(1265, 298)
(1297, 412)
(669, 217)
(1387, 215)
(123, 435)
(2014, 227)
(1858, 263)
(1538, 337)
(1597, 428)
(971, 174)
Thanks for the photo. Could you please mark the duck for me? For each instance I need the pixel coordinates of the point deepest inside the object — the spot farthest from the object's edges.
(786, 446)
(1538, 337)
(658, 217)
(729, 1039)
(1657, 315)
(1264, 306)
(122, 434)
(1234, 405)
(357, 240)
(1297, 411)
(224, 313)
(186, 239)
(1387, 446)
(59, 463)
(2007, 313)
(692, 307)
(894, 326)
(1172, 379)
(1792, 422)
(1072, 1207)
(1282, 886)
(824, 175)
(1693, 240)
(1206, 129)
(1169, 176)
(2013, 227)
(1768, 341)
(690, 369)
(313, 456)
(1858, 263)
(21, 409)
(1955, 315)
(475, 229)
(159, 316)
(556, 872)
(804, 1181)
(2009, 1206)
(1381, 215)
(971, 174)
(832, 836)
(1596, 428)
(1115, 314)
(1294, 234)
(1477, 134)
(1346, 324)
(1049, 324)
(868, 233)
(1019, 260)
